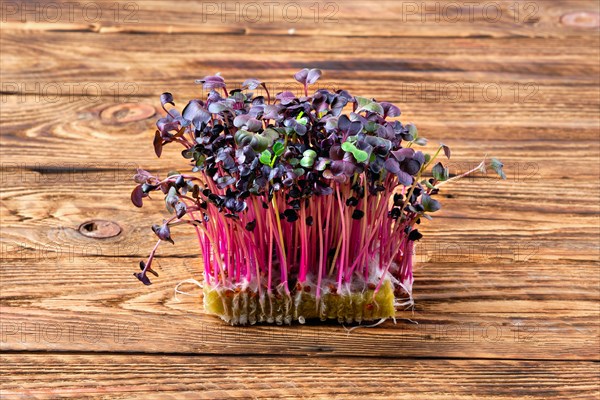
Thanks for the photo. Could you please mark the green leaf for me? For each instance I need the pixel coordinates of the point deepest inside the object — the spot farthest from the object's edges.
(310, 154)
(307, 162)
(173, 173)
(371, 126)
(420, 141)
(271, 134)
(171, 198)
(200, 160)
(278, 148)
(349, 147)
(242, 137)
(360, 155)
(365, 104)
(299, 172)
(426, 183)
(412, 130)
(362, 101)
(439, 172)
(430, 204)
(497, 166)
(374, 107)
(260, 143)
(265, 157)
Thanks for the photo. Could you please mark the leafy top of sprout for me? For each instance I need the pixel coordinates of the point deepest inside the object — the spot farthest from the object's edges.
(298, 148)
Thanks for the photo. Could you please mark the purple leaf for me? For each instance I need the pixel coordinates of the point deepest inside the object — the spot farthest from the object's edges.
(180, 209)
(446, 150)
(419, 157)
(404, 178)
(336, 152)
(301, 75)
(313, 76)
(410, 166)
(251, 83)
(241, 120)
(386, 132)
(327, 174)
(166, 98)
(136, 196)
(392, 166)
(390, 110)
(355, 128)
(158, 144)
(195, 112)
(167, 124)
(163, 232)
(272, 111)
(429, 204)
(402, 154)
(212, 82)
(225, 181)
(141, 176)
(322, 189)
(219, 107)
(344, 123)
(142, 278)
(286, 97)
(308, 77)
(253, 125)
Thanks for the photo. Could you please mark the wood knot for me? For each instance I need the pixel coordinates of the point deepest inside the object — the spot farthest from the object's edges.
(581, 19)
(99, 229)
(127, 112)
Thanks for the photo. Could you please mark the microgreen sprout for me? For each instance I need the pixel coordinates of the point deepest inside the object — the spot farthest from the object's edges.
(300, 210)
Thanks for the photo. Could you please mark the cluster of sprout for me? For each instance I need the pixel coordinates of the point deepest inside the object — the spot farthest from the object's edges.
(319, 192)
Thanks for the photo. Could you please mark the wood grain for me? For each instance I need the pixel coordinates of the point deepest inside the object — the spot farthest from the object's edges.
(455, 321)
(507, 283)
(362, 64)
(76, 135)
(492, 281)
(309, 378)
(38, 213)
(387, 18)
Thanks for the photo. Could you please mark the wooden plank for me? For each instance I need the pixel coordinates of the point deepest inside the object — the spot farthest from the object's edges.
(508, 275)
(46, 219)
(41, 209)
(143, 377)
(388, 18)
(93, 135)
(382, 70)
(506, 280)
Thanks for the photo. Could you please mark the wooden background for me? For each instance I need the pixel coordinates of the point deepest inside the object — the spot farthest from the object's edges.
(507, 282)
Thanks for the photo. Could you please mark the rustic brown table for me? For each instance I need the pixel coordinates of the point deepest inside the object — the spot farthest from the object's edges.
(507, 283)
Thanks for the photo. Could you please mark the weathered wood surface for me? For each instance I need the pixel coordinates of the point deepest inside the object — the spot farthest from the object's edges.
(158, 377)
(384, 18)
(508, 280)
